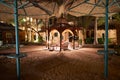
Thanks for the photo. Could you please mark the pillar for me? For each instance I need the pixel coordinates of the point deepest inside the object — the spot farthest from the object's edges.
(60, 41)
(17, 38)
(106, 41)
(95, 32)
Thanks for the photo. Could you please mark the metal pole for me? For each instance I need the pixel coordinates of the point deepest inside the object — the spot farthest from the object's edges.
(106, 42)
(17, 38)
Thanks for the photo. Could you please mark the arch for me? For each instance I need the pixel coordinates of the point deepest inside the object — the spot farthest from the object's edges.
(54, 37)
(67, 33)
(62, 28)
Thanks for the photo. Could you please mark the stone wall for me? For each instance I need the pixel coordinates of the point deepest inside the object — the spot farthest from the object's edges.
(112, 34)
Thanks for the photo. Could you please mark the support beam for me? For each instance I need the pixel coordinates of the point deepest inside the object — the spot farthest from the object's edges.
(54, 7)
(6, 4)
(94, 6)
(112, 3)
(106, 41)
(17, 38)
(77, 5)
(41, 7)
(117, 3)
(22, 5)
(69, 3)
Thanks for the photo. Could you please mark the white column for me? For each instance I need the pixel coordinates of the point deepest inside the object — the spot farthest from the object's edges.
(95, 32)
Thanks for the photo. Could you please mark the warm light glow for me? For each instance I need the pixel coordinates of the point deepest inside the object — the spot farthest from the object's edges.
(27, 18)
(36, 40)
(71, 23)
(31, 19)
(29, 29)
(24, 20)
(2, 21)
(49, 42)
(23, 28)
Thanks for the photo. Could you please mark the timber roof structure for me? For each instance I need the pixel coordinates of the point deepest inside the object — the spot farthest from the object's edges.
(47, 8)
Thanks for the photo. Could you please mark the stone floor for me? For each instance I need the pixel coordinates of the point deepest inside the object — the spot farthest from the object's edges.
(42, 64)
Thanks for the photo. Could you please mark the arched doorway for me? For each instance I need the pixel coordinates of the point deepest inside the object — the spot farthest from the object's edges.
(66, 31)
(54, 37)
(67, 35)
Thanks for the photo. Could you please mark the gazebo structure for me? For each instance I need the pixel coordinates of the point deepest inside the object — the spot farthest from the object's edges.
(57, 7)
(61, 26)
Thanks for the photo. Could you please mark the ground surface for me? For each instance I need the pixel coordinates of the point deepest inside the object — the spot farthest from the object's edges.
(40, 64)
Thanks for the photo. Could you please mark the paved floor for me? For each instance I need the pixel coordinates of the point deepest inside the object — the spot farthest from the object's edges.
(41, 64)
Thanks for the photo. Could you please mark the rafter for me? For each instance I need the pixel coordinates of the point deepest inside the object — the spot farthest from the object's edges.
(117, 3)
(69, 4)
(76, 5)
(112, 3)
(22, 6)
(6, 4)
(54, 7)
(41, 7)
(94, 6)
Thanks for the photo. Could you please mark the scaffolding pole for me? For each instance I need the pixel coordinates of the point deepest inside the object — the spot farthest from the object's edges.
(17, 38)
(106, 41)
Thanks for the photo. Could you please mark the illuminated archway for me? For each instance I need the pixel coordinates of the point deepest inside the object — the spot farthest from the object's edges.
(67, 33)
(54, 37)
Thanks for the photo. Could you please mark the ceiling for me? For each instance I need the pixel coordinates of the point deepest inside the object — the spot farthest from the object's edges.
(47, 8)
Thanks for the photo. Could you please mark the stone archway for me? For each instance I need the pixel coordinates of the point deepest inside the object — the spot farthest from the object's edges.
(67, 33)
(54, 37)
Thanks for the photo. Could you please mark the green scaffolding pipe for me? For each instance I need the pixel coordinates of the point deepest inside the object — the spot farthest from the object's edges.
(7, 5)
(17, 38)
(106, 41)
(94, 6)
(54, 7)
(22, 6)
(77, 5)
(117, 3)
(112, 3)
